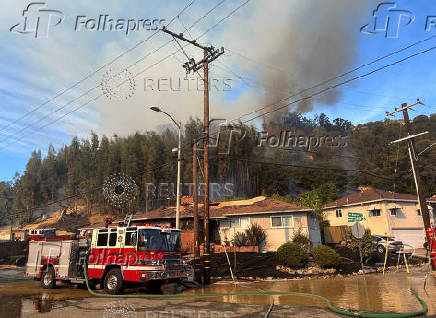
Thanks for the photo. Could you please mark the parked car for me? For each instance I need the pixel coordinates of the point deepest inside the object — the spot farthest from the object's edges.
(380, 244)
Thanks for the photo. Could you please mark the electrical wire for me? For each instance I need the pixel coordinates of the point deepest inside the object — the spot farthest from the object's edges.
(341, 75)
(81, 194)
(60, 93)
(302, 167)
(343, 83)
(152, 52)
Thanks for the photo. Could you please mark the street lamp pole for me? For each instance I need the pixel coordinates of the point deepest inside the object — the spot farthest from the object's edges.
(179, 161)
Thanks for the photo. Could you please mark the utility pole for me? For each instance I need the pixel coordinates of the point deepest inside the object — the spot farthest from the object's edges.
(196, 227)
(413, 161)
(210, 54)
(206, 253)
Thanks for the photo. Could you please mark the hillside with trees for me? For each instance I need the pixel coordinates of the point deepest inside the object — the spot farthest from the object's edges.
(73, 175)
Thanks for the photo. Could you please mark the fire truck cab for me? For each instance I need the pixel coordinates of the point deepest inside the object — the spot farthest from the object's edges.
(115, 256)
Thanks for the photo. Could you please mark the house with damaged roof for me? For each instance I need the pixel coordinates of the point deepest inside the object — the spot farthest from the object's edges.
(280, 220)
(383, 212)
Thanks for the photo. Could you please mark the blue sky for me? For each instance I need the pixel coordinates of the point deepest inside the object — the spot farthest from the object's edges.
(278, 48)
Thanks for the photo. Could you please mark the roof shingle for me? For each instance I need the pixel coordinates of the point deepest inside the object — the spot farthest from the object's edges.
(370, 194)
(222, 210)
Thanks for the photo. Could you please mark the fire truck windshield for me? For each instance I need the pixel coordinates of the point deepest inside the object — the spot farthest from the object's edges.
(156, 240)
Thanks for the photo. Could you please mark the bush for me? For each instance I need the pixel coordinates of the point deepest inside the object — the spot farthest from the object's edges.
(292, 255)
(325, 256)
(365, 242)
(302, 240)
(13, 259)
(239, 239)
(255, 235)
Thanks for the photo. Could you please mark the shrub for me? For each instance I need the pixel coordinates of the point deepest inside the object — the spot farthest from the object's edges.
(13, 259)
(365, 242)
(255, 235)
(239, 239)
(302, 240)
(325, 256)
(292, 255)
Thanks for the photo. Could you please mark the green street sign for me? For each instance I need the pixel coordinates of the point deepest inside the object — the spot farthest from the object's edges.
(355, 217)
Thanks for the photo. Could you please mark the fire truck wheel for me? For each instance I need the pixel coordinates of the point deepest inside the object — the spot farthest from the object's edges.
(113, 282)
(48, 278)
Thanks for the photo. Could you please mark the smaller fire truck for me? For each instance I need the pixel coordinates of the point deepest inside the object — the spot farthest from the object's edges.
(115, 256)
(41, 233)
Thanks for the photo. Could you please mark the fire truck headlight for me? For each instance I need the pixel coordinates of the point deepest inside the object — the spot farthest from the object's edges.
(143, 275)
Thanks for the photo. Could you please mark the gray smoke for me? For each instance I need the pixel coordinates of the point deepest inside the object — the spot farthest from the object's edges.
(310, 42)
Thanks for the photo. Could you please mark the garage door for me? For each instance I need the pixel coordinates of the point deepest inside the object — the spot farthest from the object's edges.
(412, 237)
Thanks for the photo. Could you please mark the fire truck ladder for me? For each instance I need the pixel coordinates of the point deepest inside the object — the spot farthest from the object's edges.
(127, 220)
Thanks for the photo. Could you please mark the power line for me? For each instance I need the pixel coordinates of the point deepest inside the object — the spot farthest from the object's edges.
(345, 82)
(154, 51)
(304, 167)
(81, 194)
(405, 48)
(255, 85)
(343, 74)
(315, 153)
(60, 93)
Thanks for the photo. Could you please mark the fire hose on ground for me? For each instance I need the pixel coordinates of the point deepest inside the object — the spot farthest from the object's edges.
(270, 293)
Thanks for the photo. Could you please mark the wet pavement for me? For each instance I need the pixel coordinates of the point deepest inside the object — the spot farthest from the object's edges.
(374, 292)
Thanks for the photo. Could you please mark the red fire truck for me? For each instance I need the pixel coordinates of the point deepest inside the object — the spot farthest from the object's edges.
(41, 233)
(115, 256)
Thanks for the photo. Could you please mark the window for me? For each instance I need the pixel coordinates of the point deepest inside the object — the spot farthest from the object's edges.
(113, 239)
(394, 211)
(245, 222)
(130, 239)
(375, 213)
(338, 213)
(102, 239)
(419, 212)
(234, 222)
(281, 221)
(276, 221)
(156, 240)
